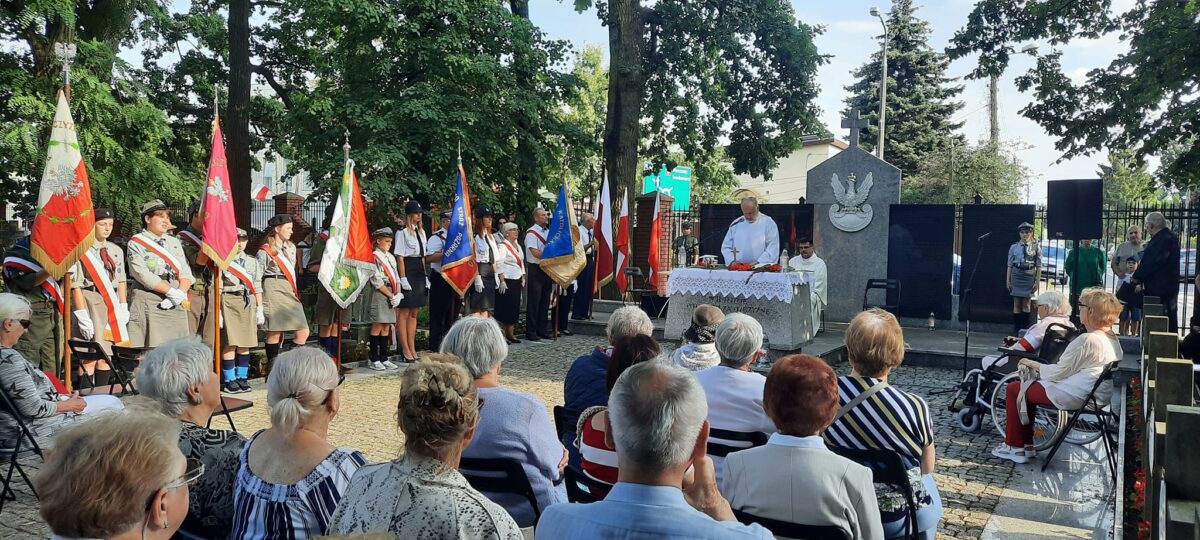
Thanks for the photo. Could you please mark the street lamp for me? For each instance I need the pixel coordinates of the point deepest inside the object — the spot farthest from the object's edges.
(882, 81)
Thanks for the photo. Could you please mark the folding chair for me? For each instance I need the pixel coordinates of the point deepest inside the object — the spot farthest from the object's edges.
(582, 488)
(13, 455)
(500, 475)
(887, 285)
(785, 529)
(722, 442)
(90, 351)
(887, 467)
(1093, 407)
(565, 421)
(127, 359)
(230, 405)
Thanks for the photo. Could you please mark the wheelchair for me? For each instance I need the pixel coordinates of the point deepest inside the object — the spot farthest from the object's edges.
(982, 392)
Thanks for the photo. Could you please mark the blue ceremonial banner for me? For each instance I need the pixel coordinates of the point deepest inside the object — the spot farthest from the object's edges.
(458, 257)
(563, 257)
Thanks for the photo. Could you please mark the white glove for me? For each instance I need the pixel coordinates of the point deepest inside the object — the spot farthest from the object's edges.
(166, 304)
(404, 286)
(86, 329)
(396, 298)
(501, 286)
(499, 280)
(478, 283)
(427, 284)
(176, 296)
(123, 313)
(260, 318)
(574, 286)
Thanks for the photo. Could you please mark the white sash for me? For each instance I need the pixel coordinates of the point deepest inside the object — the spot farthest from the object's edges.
(238, 271)
(149, 243)
(49, 285)
(95, 268)
(285, 265)
(190, 236)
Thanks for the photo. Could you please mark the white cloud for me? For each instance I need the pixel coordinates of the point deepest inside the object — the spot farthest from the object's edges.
(857, 26)
(1078, 75)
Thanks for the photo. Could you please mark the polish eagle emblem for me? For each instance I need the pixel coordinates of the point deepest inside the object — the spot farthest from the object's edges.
(851, 213)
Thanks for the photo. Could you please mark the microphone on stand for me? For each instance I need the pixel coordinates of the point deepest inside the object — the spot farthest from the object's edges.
(983, 237)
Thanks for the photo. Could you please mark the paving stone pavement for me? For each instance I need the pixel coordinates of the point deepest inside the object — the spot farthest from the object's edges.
(969, 478)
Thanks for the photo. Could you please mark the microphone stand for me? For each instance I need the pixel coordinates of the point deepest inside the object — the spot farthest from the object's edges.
(967, 302)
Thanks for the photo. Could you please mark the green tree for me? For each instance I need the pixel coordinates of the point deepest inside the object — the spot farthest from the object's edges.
(121, 133)
(1126, 182)
(1143, 100)
(955, 174)
(583, 121)
(688, 73)
(920, 97)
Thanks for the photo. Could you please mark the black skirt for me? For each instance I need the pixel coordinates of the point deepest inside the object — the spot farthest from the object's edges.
(414, 270)
(483, 300)
(508, 305)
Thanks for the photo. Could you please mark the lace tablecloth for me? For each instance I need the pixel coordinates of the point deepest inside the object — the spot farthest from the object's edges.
(766, 285)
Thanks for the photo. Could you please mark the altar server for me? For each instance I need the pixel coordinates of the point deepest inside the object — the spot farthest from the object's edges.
(241, 313)
(159, 275)
(99, 298)
(482, 296)
(281, 296)
(410, 261)
(386, 295)
(808, 261)
(752, 238)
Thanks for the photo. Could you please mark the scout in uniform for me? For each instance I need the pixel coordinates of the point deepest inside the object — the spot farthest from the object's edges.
(327, 315)
(241, 313)
(482, 297)
(99, 298)
(444, 303)
(42, 341)
(280, 293)
(385, 297)
(1024, 272)
(200, 305)
(410, 254)
(159, 276)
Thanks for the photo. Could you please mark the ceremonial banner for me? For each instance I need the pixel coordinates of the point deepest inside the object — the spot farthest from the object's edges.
(218, 236)
(348, 261)
(621, 243)
(64, 228)
(655, 236)
(604, 237)
(458, 256)
(563, 257)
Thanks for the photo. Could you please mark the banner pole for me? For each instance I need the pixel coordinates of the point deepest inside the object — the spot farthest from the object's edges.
(337, 332)
(216, 304)
(66, 319)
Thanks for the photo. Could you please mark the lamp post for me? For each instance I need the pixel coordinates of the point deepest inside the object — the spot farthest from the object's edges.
(882, 82)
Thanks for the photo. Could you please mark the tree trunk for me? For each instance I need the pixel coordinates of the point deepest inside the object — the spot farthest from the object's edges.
(626, 82)
(237, 115)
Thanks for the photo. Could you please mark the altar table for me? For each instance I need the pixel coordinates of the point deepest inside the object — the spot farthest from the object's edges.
(780, 301)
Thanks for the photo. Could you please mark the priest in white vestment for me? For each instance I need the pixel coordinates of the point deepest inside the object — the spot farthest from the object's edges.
(808, 261)
(752, 238)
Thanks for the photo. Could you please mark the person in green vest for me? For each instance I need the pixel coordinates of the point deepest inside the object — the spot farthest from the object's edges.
(1089, 272)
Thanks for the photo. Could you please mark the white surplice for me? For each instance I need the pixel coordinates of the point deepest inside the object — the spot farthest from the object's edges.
(756, 242)
(818, 287)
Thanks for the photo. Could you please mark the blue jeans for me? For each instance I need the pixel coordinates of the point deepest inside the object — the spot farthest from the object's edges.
(927, 517)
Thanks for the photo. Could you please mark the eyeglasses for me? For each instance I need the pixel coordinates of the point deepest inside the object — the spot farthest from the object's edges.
(25, 323)
(341, 379)
(193, 472)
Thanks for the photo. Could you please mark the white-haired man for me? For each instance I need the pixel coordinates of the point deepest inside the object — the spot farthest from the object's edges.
(657, 417)
(752, 238)
(1158, 272)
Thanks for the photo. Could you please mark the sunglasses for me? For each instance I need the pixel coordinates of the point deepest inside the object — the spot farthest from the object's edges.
(341, 379)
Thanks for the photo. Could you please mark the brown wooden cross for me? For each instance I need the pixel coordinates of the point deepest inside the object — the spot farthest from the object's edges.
(855, 124)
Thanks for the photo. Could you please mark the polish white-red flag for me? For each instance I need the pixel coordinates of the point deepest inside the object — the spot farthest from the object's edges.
(621, 243)
(604, 237)
(261, 193)
(655, 236)
(64, 228)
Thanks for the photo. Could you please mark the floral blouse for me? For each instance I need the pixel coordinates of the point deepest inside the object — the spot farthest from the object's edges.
(210, 505)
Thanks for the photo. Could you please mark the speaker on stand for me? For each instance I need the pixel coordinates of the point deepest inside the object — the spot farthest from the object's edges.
(1073, 212)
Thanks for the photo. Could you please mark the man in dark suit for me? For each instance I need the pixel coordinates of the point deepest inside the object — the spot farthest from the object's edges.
(1158, 273)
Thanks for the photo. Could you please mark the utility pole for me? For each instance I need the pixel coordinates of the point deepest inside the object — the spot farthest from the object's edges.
(994, 111)
(883, 75)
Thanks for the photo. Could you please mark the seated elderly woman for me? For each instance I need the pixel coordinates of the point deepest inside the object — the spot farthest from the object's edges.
(289, 477)
(734, 393)
(1065, 384)
(178, 376)
(874, 347)
(1053, 307)
(584, 385)
(43, 410)
(700, 350)
(124, 478)
(421, 494)
(794, 477)
(598, 452)
(512, 425)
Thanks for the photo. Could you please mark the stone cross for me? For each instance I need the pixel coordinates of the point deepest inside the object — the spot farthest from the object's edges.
(854, 123)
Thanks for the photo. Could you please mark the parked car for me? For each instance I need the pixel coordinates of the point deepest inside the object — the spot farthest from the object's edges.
(1187, 264)
(1054, 263)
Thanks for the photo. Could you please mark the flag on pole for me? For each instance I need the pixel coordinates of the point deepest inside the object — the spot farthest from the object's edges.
(64, 228)
(348, 261)
(219, 233)
(621, 242)
(655, 235)
(261, 193)
(458, 256)
(604, 237)
(563, 257)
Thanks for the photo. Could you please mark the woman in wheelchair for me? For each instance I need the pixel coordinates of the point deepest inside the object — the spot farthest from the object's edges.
(1053, 307)
(1064, 385)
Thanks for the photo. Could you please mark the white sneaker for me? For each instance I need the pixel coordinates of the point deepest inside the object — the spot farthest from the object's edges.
(377, 366)
(388, 364)
(1016, 455)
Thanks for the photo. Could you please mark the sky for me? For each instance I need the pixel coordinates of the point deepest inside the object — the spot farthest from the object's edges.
(851, 37)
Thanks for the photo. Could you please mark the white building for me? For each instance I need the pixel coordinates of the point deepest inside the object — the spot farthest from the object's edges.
(275, 173)
(789, 179)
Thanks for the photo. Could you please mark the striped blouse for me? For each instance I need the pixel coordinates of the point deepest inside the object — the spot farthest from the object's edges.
(597, 459)
(892, 419)
(266, 511)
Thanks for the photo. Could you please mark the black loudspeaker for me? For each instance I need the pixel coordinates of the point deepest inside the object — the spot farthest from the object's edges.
(1073, 209)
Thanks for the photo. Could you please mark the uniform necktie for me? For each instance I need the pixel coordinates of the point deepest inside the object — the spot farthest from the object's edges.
(109, 264)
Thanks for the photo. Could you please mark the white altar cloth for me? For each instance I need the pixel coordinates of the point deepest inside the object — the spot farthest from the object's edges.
(780, 286)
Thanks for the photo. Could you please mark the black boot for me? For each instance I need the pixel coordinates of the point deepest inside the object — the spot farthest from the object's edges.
(272, 352)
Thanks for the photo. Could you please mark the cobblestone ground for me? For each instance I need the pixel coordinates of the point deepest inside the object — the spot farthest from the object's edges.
(969, 478)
